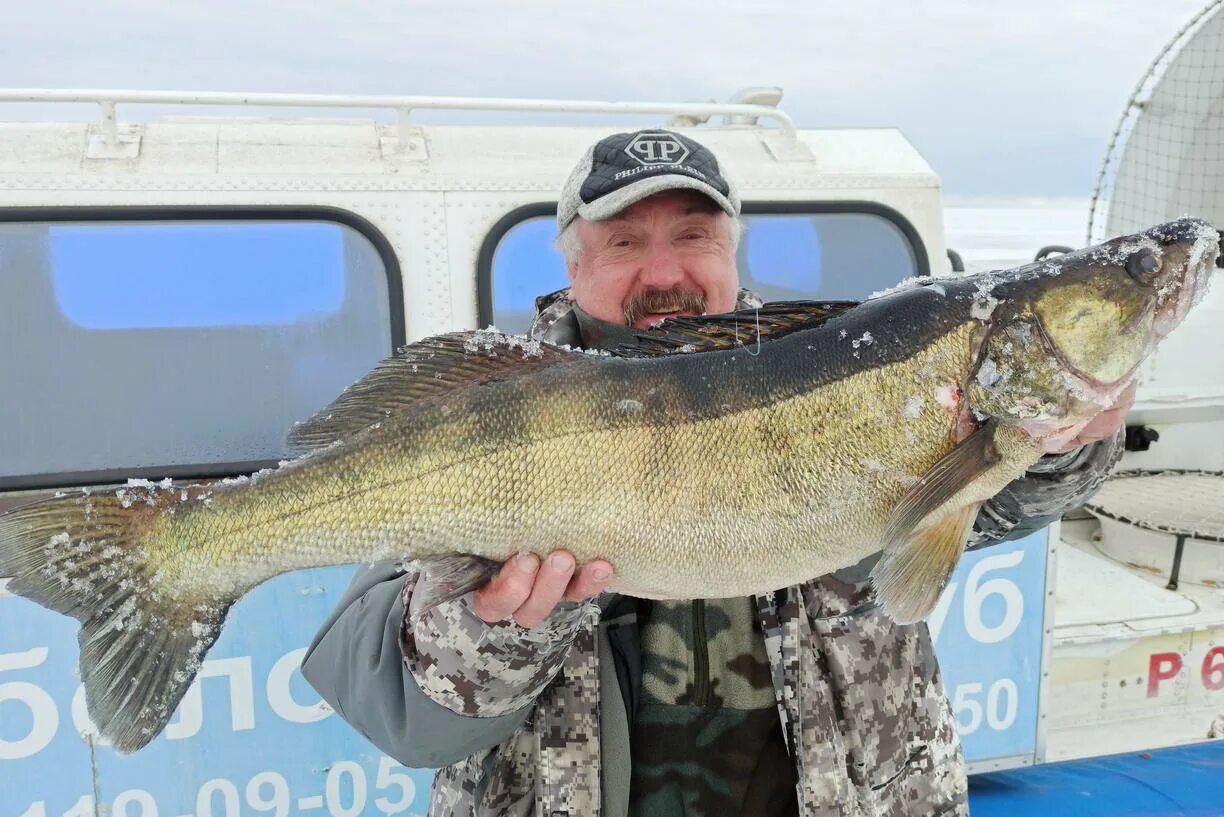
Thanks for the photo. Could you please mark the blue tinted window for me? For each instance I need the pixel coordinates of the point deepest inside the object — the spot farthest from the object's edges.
(823, 256)
(153, 344)
(129, 276)
(525, 265)
(783, 252)
(819, 256)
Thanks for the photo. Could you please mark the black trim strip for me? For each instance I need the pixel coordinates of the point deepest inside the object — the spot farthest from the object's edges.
(701, 655)
(280, 213)
(484, 260)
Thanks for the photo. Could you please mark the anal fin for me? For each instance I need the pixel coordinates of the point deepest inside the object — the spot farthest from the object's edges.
(449, 577)
(909, 579)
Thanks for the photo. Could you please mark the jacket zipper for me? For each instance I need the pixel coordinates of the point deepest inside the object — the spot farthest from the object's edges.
(701, 656)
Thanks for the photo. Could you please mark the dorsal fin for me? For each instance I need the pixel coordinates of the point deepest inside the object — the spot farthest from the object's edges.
(745, 327)
(428, 367)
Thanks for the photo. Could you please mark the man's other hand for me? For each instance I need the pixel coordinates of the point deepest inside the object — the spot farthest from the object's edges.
(1104, 425)
(528, 591)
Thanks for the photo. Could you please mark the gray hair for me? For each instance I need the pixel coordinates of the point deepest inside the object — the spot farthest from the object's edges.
(568, 245)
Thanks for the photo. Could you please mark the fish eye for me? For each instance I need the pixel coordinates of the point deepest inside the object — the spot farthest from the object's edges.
(1144, 266)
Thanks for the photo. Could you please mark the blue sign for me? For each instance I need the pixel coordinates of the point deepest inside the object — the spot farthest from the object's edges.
(988, 628)
(250, 738)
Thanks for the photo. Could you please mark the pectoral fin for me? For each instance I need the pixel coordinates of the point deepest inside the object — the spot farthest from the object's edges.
(909, 579)
(926, 533)
(971, 458)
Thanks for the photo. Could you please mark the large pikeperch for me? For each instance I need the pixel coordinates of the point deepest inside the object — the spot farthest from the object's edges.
(836, 432)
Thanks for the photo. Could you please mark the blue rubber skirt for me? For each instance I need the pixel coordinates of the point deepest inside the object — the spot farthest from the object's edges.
(1183, 781)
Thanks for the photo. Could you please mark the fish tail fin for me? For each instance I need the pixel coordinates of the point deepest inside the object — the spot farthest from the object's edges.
(95, 558)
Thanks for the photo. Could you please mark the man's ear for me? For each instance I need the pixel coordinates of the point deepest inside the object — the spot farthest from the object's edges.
(571, 270)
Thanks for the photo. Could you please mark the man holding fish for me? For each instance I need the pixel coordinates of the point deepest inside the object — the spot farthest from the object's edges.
(539, 694)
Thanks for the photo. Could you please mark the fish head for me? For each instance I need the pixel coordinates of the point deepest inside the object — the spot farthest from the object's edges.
(1065, 336)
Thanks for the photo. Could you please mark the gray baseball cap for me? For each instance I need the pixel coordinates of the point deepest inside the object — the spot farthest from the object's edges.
(625, 168)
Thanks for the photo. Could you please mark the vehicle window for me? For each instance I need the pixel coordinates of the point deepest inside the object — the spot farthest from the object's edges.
(145, 344)
(782, 256)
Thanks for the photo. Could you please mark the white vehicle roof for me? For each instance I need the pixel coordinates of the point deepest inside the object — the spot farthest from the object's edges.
(392, 174)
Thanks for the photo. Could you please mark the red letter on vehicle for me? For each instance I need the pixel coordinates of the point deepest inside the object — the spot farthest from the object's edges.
(1213, 668)
(1161, 667)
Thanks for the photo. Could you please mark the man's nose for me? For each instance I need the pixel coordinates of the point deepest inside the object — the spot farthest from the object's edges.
(662, 269)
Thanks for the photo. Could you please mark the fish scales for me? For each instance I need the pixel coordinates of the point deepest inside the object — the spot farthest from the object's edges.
(493, 471)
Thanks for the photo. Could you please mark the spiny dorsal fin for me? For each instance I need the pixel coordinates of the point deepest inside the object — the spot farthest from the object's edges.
(432, 366)
(745, 327)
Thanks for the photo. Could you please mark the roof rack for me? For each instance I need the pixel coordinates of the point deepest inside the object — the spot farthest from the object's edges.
(681, 112)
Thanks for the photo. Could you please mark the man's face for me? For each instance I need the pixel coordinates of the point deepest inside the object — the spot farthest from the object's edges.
(670, 254)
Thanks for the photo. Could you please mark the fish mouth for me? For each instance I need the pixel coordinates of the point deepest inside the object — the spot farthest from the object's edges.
(1200, 243)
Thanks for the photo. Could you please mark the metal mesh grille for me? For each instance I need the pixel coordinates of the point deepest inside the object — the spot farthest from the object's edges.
(1179, 502)
(1166, 157)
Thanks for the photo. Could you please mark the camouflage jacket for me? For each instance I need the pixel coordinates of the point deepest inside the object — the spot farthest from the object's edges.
(537, 722)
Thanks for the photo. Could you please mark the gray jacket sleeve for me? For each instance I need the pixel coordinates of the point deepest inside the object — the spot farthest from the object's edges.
(485, 670)
(382, 671)
(356, 664)
(1056, 484)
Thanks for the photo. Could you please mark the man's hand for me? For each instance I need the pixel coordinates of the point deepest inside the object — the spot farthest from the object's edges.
(1104, 425)
(529, 591)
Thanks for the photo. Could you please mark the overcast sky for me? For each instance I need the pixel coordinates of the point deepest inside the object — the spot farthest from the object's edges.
(1013, 99)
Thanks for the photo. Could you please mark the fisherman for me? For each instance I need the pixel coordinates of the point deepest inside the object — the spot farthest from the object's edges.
(537, 695)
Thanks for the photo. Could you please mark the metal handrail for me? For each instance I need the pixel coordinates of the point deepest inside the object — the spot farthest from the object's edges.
(403, 105)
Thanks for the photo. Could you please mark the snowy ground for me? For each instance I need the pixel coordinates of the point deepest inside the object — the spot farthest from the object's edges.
(991, 233)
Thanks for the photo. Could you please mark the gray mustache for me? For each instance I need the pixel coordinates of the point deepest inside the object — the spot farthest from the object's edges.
(654, 301)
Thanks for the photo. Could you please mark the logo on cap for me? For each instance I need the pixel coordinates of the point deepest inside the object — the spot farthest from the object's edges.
(657, 149)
